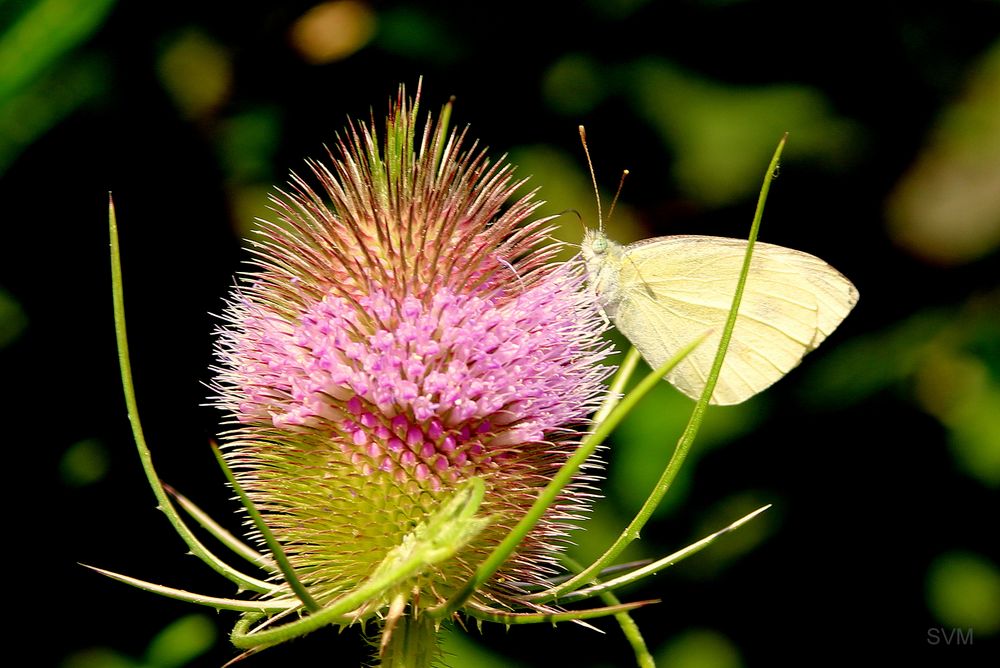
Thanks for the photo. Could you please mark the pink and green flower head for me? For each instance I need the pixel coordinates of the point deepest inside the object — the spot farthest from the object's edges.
(403, 331)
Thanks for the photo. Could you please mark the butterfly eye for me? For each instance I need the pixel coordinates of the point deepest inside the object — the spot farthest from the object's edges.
(600, 245)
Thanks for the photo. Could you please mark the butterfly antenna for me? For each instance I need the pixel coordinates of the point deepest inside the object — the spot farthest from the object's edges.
(593, 179)
(621, 184)
(560, 241)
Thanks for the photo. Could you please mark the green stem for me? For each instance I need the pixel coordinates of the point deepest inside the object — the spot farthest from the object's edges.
(628, 626)
(410, 643)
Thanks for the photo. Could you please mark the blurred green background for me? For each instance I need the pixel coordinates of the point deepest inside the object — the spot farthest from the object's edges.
(881, 454)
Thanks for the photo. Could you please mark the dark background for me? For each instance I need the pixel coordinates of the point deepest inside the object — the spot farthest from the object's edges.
(881, 454)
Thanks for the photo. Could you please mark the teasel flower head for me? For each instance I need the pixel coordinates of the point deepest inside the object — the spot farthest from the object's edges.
(402, 331)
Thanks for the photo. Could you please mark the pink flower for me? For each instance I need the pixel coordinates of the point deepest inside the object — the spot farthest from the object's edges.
(403, 329)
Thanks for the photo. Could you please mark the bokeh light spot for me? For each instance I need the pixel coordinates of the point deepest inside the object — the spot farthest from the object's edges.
(963, 591)
(84, 463)
(700, 648)
(946, 208)
(197, 73)
(332, 31)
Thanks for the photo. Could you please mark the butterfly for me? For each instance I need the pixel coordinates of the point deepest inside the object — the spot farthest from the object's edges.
(666, 292)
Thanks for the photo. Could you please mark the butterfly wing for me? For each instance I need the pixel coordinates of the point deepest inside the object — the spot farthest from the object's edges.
(674, 289)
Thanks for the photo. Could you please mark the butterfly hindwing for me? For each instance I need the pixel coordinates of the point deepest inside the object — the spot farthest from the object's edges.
(673, 289)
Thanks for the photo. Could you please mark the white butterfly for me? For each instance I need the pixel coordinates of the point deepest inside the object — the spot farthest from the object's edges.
(664, 293)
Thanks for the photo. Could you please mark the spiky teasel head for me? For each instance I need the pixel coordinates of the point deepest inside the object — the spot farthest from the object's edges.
(403, 330)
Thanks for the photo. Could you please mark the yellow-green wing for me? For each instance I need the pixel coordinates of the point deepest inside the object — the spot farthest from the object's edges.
(676, 288)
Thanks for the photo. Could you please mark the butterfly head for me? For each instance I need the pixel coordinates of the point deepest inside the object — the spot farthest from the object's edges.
(601, 256)
(594, 244)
